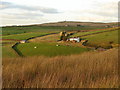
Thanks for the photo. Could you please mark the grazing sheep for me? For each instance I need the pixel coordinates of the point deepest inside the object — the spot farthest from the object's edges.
(57, 45)
(35, 47)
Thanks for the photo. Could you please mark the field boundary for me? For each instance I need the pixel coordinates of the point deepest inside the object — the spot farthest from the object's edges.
(14, 47)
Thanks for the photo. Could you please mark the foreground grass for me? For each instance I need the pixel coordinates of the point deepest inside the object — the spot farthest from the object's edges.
(87, 70)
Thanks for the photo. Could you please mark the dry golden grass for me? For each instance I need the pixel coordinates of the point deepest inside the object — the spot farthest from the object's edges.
(47, 38)
(87, 70)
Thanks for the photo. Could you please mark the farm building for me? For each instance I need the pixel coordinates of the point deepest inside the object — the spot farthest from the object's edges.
(23, 41)
(78, 25)
(63, 36)
(75, 39)
(66, 25)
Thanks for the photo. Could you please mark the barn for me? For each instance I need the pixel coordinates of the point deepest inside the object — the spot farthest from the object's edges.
(23, 41)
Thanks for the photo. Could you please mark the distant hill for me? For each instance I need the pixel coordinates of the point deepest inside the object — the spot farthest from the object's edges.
(72, 23)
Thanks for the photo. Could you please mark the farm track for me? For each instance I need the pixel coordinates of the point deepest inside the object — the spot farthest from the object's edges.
(10, 40)
(48, 38)
(40, 36)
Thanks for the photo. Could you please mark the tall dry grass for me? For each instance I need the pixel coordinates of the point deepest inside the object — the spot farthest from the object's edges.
(87, 70)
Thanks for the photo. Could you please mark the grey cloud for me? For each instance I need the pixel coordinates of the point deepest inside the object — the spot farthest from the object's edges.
(104, 13)
(7, 5)
(105, 9)
(25, 15)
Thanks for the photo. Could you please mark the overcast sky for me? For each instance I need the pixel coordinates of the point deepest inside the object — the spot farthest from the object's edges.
(19, 12)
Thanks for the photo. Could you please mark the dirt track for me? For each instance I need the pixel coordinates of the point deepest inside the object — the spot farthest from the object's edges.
(48, 38)
(9, 40)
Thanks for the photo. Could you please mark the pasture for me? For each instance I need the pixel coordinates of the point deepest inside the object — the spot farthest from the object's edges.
(105, 39)
(46, 45)
(79, 34)
(24, 35)
(7, 44)
(48, 49)
(25, 29)
(7, 51)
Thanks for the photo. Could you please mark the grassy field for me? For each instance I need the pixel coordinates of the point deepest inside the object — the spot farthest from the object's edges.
(90, 32)
(47, 38)
(26, 29)
(48, 49)
(24, 35)
(87, 70)
(52, 64)
(7, 51)
(105, 39)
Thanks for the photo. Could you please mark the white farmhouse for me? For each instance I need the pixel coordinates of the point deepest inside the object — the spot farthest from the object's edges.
(76, 39)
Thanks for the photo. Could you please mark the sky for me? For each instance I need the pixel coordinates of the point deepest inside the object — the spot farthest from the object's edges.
(24, 12)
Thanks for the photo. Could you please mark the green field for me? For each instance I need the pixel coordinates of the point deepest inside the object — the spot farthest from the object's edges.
(25, 29)
(48, 49)
(7, 51)
(24, 35)
(90, 32)
(102, 39)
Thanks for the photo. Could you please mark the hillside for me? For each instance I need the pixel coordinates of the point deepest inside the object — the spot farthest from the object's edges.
(72, 23)
(46, 43)
(45, 61)
(56, 27)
